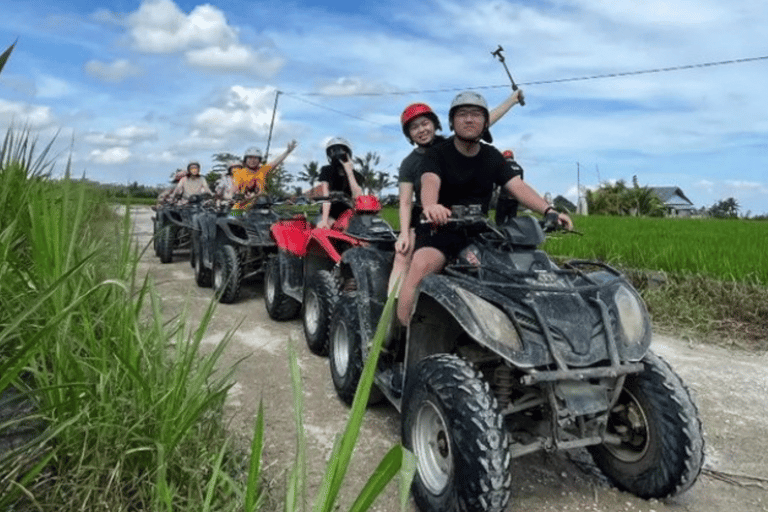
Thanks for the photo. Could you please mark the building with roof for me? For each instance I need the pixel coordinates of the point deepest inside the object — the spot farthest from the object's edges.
(675, 201)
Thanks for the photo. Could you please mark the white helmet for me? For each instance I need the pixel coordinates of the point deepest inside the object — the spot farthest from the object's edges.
(471, 98)
(336, 147)
(252, 151)
(233, 162)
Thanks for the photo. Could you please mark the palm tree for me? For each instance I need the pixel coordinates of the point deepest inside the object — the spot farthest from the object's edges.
(366, 167)
(311, 173)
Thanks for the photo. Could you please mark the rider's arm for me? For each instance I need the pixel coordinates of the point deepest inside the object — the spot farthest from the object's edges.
(430, 190)
(179, 190)
(326, 205)
(354, 186)
(277, 161)
(498, 112)
(531, 199)
(406, 204)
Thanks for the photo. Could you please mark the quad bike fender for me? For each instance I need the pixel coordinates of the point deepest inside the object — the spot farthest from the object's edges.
(444, 310)
(370, 269)
(329, 243)
(291, 274)
(206, 227)
(291, 235)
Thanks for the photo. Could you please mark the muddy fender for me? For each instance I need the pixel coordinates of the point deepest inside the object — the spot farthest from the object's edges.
(370, 268)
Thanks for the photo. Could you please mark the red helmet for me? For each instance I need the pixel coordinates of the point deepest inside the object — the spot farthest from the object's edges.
(415, 110)
(508, 154)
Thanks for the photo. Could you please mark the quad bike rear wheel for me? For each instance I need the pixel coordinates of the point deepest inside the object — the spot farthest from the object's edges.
(320, 295)
(662, 447)
(226, 274)
(279, 305)
(345, 351)
(452, 424)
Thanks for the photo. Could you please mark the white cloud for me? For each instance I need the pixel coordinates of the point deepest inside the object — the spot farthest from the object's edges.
(35, 116)
(204, 36)
(110, 156)
(125, 136)
(52, 87)
(235, 57)
(244, 110)
(115, 71)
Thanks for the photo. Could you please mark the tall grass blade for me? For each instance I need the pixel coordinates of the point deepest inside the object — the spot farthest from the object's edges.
(6, 54)
(252, 490)
(397, 460)
(296, 491)
(342, 452)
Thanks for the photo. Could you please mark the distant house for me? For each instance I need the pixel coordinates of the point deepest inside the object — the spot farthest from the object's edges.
(675, 202)
(564, 205)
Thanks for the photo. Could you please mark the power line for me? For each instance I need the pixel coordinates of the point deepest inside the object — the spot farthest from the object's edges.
(544, 82)
(299, 95)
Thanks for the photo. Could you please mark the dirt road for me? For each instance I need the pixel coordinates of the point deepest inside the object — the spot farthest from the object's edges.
(730, 388)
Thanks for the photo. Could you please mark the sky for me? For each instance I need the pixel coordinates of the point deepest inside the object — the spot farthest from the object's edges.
(132, 90)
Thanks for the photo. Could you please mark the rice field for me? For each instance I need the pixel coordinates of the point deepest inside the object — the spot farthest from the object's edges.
(724, 249)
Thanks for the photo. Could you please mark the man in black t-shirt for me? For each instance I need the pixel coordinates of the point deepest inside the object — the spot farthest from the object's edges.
(464, 171)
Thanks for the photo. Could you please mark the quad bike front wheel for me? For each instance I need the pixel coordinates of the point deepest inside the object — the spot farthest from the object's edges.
(320, 295)
(203, 275)
(345, 351)
(226, 274)
(165, 243)
(661, 449)
(279, 305)
(452, 424)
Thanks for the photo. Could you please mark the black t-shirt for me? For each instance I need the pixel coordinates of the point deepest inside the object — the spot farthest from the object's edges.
(410, 168)
(336, 178)
(467, 180)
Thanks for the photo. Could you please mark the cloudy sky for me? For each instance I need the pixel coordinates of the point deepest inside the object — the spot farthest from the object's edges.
(137, 89)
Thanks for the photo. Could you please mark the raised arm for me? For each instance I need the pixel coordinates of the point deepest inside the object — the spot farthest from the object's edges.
(498, 112)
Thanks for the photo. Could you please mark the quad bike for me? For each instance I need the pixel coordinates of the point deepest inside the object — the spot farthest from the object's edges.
(173, 225)
(303, 274)
(229, 248)
(507, 354)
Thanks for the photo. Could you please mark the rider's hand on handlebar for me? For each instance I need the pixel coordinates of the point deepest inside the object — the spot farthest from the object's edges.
(436, 214)
(560, 219)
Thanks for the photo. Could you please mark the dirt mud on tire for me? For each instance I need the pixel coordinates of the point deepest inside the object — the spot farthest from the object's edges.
(730, 388)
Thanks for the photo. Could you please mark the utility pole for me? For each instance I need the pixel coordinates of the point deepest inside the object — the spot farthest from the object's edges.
(271, 125)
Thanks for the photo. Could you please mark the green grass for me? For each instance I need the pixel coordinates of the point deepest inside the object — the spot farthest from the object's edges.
(125, 411)
(726, 250)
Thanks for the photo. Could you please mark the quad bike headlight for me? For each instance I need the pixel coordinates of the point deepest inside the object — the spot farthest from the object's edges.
(494, 322)
(631, 315)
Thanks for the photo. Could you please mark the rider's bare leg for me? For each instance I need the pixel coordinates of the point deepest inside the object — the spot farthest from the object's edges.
(426, 261)
(400, 264)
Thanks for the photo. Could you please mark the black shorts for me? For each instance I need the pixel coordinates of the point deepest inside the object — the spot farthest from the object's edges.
(450, 243)
(416, 215)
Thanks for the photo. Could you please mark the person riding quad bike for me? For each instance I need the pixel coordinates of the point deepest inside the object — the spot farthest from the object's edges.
(175, 221)
(303, 274)
(506, 353)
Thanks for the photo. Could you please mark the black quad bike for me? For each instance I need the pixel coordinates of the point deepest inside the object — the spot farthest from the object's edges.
(230, 248)
(303, 276)
(508, 353)
(173, 225)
